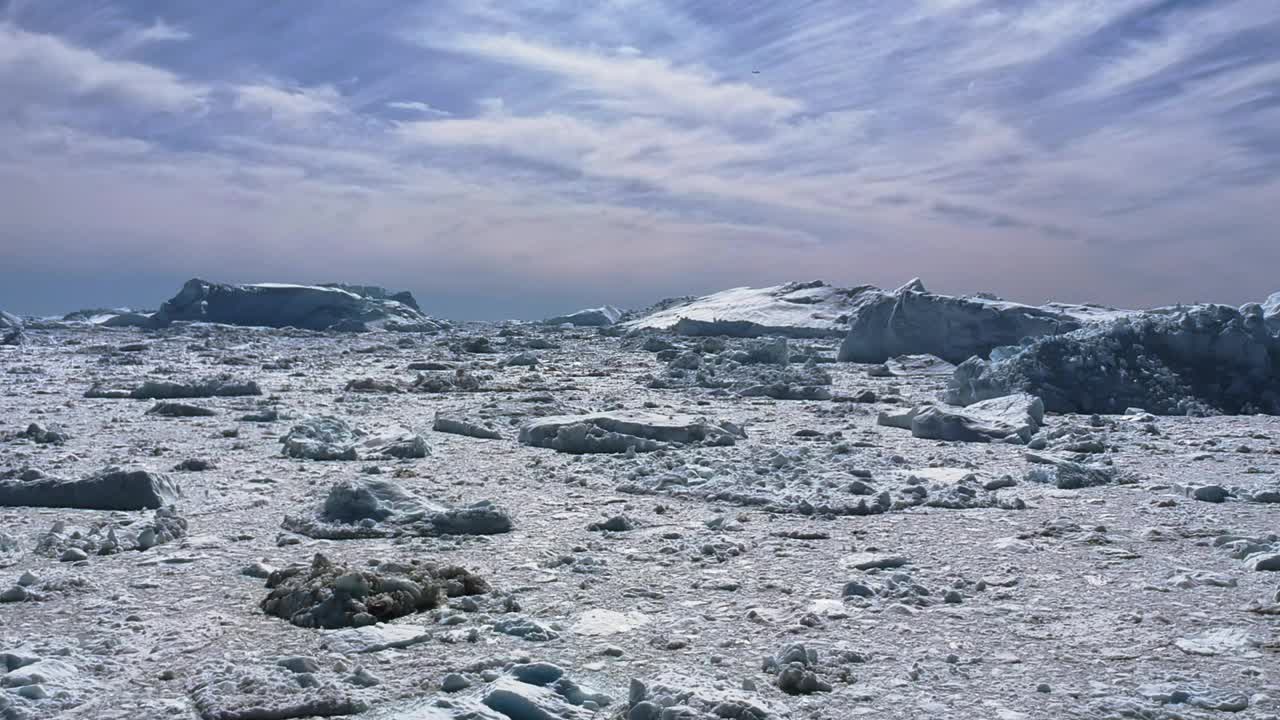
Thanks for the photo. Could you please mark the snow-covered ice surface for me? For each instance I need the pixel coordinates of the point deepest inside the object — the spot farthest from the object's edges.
(812, 309)
(821, 566)
(295, 286)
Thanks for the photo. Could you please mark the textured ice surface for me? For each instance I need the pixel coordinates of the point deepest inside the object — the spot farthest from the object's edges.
(928, 578)
(1206, 359)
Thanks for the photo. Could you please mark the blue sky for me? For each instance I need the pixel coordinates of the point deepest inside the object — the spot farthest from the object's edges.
(513, 158)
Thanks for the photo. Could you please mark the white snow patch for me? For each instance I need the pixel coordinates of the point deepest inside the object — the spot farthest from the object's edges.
(600, 623)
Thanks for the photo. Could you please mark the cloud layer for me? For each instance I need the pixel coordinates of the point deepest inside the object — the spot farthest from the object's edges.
(523, 157)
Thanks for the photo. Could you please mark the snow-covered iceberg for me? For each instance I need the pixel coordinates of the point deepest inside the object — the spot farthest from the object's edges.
(590, 317)
(812, 309)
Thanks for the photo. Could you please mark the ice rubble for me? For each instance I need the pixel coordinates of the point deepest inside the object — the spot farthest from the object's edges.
(529, 691)
(331, 438)
(757, 368)
(373, 508)
(1016, 416)
(237, 691)
(456, 424)
(327, 595)
(807, 480)
(210, 387)
(622, 431)
(114, 535)
(1066, 474)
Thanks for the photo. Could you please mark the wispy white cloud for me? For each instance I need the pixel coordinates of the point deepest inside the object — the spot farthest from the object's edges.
(29, 144)
(1182, 38)
(702, 160)
(40, 66)
(633, 84)
(158, 31)
(1007, 35)
(417, 107)
(560, 139)
(289, 104)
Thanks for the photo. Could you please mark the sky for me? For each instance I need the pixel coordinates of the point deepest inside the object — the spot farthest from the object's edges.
(519, 158)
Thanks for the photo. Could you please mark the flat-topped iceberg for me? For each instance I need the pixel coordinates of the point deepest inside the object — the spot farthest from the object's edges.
(913, 321)
(307, 307)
